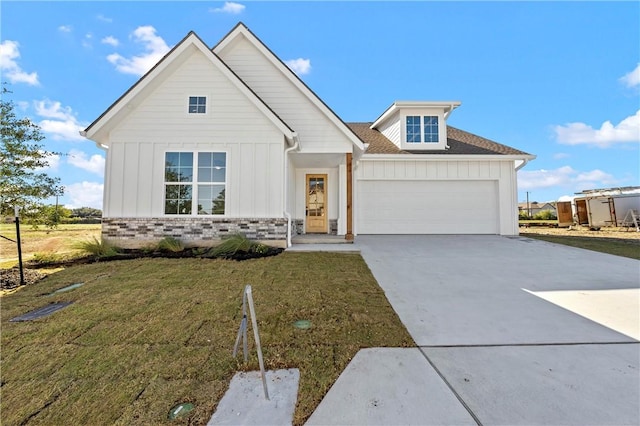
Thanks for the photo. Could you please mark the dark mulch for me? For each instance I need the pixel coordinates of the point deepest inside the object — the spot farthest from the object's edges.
(10, 278)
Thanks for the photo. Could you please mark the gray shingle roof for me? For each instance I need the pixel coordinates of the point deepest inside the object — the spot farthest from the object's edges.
(459, 141)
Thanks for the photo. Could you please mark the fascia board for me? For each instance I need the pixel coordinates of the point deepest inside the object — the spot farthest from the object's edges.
(445, 157)
(397, 105)
(95, 127)
(92, 132)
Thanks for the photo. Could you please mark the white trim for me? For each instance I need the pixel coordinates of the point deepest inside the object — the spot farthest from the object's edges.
(207, 105)
(95, 130)
(444, 157)
(446, 106)
(194, 183)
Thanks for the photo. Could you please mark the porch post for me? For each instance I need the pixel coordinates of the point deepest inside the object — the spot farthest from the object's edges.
(349, 235)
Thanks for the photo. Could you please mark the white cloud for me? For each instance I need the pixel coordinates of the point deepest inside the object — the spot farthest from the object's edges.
(229, 7)
(560, 155)
(110, 40)
(632, 78)
(564, 177)
(9, 53)
(104, 19)
(65, 28)
(300, 66)
(53, 161)
(628, 130)
(59, 121)
(154, 49)
(94, 164)
(86, 41)
(84, 194)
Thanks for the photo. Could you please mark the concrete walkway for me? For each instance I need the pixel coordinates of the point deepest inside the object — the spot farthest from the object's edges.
(505, 336)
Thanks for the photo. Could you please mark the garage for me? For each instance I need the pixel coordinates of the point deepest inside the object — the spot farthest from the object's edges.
(427, 207)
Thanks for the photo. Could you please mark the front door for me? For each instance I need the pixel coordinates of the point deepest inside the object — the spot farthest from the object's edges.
(316, 210)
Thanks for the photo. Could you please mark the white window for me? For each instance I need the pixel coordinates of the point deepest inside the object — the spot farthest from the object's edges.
(197, 104)
(195, 183)
(422, 129)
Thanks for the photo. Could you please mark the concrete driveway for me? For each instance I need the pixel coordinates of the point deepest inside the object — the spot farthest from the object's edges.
(511, 331)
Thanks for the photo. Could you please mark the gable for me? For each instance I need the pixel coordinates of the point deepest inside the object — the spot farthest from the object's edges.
(121, 109)
(318, 127)
(160, 113)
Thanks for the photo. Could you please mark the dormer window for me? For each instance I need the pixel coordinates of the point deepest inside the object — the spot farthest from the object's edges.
(416, 125)
(422, 129)
(197, 104)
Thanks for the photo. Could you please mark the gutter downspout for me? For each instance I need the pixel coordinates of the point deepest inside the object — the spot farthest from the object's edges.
(525, 161)
(295, 146)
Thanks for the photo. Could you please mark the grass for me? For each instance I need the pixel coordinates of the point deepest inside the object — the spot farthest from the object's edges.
(615, 246)
(143, 335)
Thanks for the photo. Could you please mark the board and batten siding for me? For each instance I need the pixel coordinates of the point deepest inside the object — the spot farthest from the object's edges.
(316, 132)
(502, 172)
(159, 123)
(391, 128)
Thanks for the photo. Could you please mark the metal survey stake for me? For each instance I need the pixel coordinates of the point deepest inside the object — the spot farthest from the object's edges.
(247, 295)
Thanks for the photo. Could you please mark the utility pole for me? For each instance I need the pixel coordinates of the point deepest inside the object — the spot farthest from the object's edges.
(528, 207)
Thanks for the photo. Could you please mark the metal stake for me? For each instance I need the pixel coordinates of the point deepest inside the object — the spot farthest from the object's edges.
(242, 334)
(17, 212)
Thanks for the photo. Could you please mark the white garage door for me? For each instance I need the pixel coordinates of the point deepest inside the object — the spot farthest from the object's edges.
(427, 207)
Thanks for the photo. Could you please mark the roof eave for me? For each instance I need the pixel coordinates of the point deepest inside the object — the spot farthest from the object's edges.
(449, 157)
(191, 39)
(449, 106)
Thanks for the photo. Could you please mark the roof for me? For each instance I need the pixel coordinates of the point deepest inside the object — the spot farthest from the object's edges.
(459, 141)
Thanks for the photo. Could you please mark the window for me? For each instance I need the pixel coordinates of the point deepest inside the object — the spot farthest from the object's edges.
(419, 126)
(186, 182)
(413, 129)
(197, 104)
(212, 169)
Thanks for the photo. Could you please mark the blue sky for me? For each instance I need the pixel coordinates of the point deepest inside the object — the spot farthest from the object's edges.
(560, 80)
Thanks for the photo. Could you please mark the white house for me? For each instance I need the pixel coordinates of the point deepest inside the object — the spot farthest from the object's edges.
(212, 142)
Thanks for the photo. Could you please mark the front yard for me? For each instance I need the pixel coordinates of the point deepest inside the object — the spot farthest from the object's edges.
(144, 335)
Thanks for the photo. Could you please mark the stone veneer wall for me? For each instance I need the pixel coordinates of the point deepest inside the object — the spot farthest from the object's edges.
(297, 226)
(199, 231)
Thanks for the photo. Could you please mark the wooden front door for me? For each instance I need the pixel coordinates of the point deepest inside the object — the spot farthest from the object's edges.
(316, 209)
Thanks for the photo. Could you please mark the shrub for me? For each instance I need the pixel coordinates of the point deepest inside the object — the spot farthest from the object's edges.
(523, 215)
(46, 258)
(97, 248)
(170, 244)
(232, 245)
(545, 215)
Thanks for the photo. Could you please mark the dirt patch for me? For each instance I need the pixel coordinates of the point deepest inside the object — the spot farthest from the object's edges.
(581, 231)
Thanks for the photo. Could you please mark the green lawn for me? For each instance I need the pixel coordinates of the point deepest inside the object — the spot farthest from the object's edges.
(144, 335)
(615, 246)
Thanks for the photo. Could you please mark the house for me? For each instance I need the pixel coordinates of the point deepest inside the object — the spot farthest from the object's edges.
(535, 207)
(212, 142)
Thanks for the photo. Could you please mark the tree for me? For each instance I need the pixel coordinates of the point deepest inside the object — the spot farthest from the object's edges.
(84, 212)
(22, 158)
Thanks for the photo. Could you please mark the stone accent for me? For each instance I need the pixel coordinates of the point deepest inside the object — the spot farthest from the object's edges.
(333, 226)
(191, 231)
(297, 227)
